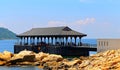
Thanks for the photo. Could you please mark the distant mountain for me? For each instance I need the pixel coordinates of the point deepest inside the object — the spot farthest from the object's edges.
(6, 34)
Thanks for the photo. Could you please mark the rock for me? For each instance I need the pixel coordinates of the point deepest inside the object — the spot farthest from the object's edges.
(5, 55)
(72, 69)
(47, 68)
(30, 58)
(72, 63)
(52, 57)
(53, 64)
(25, 55)
(2, 63)
(25, 52)
(26, 63)
(109, 60)
(84, 63)
(41, 67)
(40, 56)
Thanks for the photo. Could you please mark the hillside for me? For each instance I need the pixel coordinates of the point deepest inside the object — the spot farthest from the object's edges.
(6, 34)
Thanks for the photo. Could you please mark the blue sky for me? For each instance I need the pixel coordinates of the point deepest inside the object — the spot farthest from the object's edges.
(96, 18)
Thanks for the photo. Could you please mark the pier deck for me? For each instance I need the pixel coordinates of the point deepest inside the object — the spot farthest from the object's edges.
(61, 50)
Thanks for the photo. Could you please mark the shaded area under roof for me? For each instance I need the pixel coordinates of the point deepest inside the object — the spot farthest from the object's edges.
(52, 31)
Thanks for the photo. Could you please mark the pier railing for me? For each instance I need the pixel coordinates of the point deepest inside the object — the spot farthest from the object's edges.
(63, 45)
(89, 45)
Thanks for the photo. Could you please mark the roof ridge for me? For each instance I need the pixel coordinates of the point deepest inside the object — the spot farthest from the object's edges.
(51, 27)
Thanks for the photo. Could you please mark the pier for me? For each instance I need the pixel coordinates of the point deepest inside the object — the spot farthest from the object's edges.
(54, 40)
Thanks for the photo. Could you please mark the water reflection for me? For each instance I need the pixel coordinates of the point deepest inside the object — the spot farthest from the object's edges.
(19, 68)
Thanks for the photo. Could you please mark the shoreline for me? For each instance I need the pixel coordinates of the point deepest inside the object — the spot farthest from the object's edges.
(105, 60)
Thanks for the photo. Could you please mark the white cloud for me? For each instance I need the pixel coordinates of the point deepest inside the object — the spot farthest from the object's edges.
(74, 23)
(2, 25)
(86, 21)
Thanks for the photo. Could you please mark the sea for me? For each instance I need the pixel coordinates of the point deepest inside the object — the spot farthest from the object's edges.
(8, 45)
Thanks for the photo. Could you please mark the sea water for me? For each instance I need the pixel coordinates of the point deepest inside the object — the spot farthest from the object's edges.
(8, 45)
(19, 68)
(90, 41)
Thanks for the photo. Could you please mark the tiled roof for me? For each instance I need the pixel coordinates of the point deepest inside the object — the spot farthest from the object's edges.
(52, 31)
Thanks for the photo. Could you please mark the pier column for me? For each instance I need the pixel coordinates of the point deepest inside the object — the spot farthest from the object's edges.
(30, 40)
(33, 40)
(65, 41)
(40, 39)
(47, 40)
(20, 40)
(37, 40)
(60, 38)
(80, 41)
(27, 40)
(52, 40)
(75, 40)
(70, 40)
(24, 40)
(59, 41)
(44, 39)
(55, 40)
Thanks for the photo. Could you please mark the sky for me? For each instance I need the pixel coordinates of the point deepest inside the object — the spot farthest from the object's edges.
(96, 18)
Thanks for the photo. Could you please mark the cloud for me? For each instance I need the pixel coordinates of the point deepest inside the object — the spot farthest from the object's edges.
(86, 21)
(2, 25)
(74, 23)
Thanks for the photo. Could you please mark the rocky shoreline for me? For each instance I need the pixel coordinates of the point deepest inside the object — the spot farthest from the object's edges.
(109, 60)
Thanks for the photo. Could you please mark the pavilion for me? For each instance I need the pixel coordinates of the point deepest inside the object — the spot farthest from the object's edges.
(41, 38)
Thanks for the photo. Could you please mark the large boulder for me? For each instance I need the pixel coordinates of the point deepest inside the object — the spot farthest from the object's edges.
(5, 56)
(52, 57)
(23, 56)
(41, 56)
(24, 53)
(72, 63)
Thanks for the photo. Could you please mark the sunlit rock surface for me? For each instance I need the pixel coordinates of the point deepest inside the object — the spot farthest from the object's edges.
(109, 60)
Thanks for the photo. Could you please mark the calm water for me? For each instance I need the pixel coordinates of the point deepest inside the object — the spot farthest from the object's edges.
(19, 68)
(9, 46)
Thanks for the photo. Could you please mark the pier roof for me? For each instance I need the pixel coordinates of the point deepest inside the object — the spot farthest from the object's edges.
(52, 31)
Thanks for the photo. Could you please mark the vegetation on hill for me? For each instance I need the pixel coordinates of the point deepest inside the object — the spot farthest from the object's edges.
(6, 34)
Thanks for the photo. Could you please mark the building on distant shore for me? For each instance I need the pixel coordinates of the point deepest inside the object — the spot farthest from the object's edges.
(107, 44)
